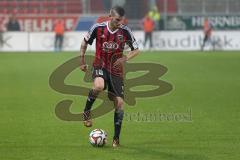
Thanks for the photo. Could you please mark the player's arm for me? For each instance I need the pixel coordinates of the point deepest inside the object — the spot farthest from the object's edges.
(127, 57)
(88, 39)
(83, 49)
(132, 43)
(131, 54)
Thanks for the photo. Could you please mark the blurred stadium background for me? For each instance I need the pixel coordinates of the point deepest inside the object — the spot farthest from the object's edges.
(178, 28)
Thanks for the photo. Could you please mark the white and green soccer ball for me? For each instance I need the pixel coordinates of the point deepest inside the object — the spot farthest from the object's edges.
(98, 137)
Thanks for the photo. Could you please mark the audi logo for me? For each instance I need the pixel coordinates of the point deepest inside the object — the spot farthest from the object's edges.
(110, 45)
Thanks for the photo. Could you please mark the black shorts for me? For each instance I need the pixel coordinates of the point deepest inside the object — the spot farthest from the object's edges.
(114, 83)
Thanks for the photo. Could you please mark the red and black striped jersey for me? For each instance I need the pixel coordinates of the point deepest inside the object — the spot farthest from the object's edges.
(110, 45)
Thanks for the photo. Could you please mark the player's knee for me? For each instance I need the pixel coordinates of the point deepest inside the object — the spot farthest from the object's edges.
(99, 87)
(99, 84)
(119, 102)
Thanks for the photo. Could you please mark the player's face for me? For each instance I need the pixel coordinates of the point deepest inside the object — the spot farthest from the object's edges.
(116, 20)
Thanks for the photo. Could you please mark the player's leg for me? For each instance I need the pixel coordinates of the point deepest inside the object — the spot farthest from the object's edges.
(118, 118)
(98, 86)
(116, 93)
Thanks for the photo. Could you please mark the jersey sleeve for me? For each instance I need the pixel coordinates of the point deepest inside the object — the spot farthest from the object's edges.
(131, 41)
(91, 35)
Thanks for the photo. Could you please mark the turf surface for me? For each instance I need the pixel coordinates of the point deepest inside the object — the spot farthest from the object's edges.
(206, 88)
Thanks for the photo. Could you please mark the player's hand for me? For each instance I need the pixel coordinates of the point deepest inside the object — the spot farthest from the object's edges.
(120, 61)
(84, 67)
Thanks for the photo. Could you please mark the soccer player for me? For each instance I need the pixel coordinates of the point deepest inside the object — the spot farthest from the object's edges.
(111, 37)
(207, 33)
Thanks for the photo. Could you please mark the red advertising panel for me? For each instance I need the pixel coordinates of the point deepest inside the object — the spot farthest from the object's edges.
(36, 23)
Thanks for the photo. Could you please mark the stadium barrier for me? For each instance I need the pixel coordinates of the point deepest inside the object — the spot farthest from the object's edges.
(186, 22)
(165, 41)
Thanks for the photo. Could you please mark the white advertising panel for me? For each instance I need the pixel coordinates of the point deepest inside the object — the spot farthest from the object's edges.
(162, 41)
(44, 41)
(14, 41)
(191, 40)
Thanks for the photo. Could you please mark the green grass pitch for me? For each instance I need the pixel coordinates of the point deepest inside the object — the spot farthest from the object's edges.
(206, 86)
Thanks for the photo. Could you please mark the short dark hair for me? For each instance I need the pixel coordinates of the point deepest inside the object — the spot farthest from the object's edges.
(119, 10)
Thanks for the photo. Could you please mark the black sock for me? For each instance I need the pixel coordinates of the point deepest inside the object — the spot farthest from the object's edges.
(118, 117)
(90, 100)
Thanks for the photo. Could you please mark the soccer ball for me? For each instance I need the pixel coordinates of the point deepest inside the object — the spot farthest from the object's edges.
(98, 137)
